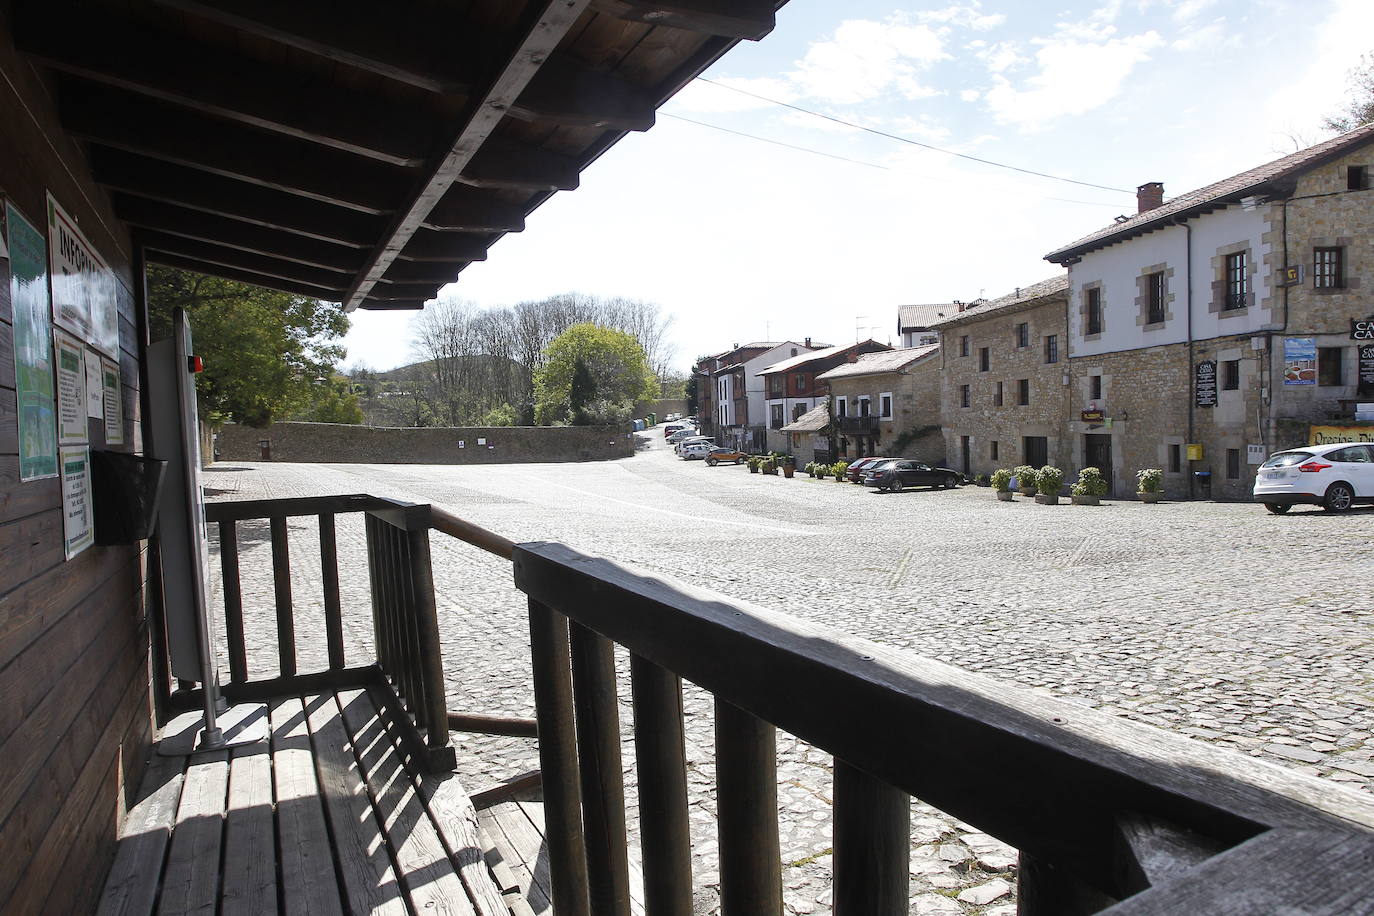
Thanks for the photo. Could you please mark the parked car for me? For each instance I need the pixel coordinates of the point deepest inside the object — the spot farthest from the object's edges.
(694, 450)
(1335, 477)
(693, 440)
(896, 474)
(671, 428)
(720, 454)
(854, 470)
(678, 435)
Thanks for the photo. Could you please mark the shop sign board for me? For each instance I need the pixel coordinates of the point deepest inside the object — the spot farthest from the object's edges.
(1205, 384)
(1333, 435)
(1300, 361)
(27, 288)
(1366, 370)
(83, 287)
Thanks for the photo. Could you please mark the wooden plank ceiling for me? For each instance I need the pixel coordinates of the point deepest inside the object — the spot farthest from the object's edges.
(354, 151)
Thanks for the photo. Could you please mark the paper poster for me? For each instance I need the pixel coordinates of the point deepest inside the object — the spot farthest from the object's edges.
(83, 287)
(71, 389)
(113, 397)
(78, 521)
(1299, 361)
(95, 387)
(33, 375)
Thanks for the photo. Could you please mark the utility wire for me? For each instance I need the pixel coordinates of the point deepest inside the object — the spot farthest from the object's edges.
(872, 165)
(900, 139)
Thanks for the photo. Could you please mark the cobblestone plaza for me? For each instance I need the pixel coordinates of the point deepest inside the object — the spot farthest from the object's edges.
(1213, 620)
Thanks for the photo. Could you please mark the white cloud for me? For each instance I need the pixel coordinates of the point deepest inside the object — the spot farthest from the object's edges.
(968, 16)
(1206, 38)
(1336, 47)
(1075, 76)
(1188, 10)
(922, 127)
(970, 95)
(811, 122)
(1002, 56)
(707, 98)
(865, 59)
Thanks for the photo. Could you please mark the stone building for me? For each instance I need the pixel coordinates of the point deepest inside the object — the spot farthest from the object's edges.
(887, 403)
(1004, 380)
(914, 322)
(730, 397)
(1224, 319)
(791, 387)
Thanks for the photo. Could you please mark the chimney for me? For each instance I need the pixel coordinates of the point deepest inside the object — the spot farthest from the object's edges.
(854, 356)
(808, 343)
(1149, 196)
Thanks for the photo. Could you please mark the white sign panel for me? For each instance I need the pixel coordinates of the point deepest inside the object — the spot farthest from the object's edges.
(95, 389)
(71, 389)
(78, 524)
(1254, 454)
(114, 402)
(83, 287)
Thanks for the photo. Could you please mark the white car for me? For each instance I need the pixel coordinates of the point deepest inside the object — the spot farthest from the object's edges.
(695, 450)
(1334, 477)
(694, 440)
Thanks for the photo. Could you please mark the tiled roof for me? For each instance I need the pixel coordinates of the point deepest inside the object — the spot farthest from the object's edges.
(1224, 191)
(922, 316)
(1013, 301)
(877, 363)
(802, 359)
(813, 421)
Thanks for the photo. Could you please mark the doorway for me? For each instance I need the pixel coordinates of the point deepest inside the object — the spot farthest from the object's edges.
(966, 454)
(1097, 453)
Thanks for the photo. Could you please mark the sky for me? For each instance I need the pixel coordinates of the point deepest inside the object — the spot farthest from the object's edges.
(742, 239)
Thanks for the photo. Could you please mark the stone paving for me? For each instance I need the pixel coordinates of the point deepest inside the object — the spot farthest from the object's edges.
(1213, 620)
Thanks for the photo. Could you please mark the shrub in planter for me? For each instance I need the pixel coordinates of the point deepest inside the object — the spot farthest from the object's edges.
(1048, 480)
(1149, 483)
(753, 461)
(1001, 481)
(769, 465)
(980, 480)
(838, 469)
(1090, 489)
(1026, 479)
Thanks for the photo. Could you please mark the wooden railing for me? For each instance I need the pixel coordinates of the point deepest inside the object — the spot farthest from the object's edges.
(1108, 815)
(405, 628)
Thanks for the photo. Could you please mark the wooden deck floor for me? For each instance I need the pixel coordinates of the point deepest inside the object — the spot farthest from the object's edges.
(323, 818)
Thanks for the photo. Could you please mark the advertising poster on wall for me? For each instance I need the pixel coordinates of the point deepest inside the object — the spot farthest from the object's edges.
(78, 527)
(1300, 361)
(95, 387)
(83, 287)
(113, 401)
(33, 376)
(71, 389)
(1366, 371)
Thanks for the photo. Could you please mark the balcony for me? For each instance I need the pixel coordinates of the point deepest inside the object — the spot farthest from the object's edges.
(350, 803)
(857, 426)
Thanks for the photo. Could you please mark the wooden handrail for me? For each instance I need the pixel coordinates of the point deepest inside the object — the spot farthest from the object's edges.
(455, 527)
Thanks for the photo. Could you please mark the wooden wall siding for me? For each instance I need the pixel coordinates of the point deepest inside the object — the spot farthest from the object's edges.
(75, 724)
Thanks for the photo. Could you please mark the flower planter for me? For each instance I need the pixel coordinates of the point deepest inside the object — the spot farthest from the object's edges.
(788, 471)
(1087, 501)
(1047, 499)
(1027, 492)
(1150, 497)
(753, 470)
(1004, 495)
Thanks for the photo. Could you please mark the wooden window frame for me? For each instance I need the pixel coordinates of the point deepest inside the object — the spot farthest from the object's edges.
(1328, 267)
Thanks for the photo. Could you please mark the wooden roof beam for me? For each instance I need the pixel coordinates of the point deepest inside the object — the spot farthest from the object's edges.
(518, 167)
(170, 133)
(469, 210)
(423, 271)
(235, 258)
(566, 92)
(162, 217)
(106, 49)
(196, 190)
(428, 246)
(748, 19)
(245, 276)
(543, 31)
(431, 47)
(380, 305)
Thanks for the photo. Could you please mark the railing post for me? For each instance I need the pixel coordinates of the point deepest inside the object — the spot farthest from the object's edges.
(281, 583)
(603, 785)
(329, 570)
(872, 836)
(558, 760)
(233, 602)
(664, 825)
(431, 667)
(747, 820)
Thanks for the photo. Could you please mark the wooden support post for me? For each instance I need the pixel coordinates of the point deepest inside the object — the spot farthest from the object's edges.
(603, 785)
(233, 602)
(664, 827)
(1046, 889)
(333, 611)
(558, 760)
(747, 801)
(281, 580)
(872, 836)
(431, 667)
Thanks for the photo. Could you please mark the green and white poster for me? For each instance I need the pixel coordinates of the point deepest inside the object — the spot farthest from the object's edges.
(78, 527)
(71, 389)
(33, 360)
(113, 402)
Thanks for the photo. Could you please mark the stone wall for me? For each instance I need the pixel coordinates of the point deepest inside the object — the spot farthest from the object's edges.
(334, 443)
(913, 430)
(661, 407)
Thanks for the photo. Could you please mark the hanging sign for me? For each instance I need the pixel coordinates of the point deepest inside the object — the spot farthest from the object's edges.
(1205, 384)
(27, 289)
(1362, 328)
(77, 525)
(83, 287)
(1366, 370)
(1300, 361)
(113, 397)
(71, 389)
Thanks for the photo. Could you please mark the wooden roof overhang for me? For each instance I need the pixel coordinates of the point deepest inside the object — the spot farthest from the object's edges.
(353, 151)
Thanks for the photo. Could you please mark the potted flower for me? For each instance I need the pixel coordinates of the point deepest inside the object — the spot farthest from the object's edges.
(1025, 479)
(769, 465)
(1090, 489)
(1149, 483)
(789, 465)
(753, 461)
(1048, 480)
(1001, 480)
(838, 469)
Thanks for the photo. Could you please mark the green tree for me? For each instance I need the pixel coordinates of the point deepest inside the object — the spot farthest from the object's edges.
(1359, 108)
(263, 350)
(503, 415)
(581, 392)
(333, 403)
(616, 362)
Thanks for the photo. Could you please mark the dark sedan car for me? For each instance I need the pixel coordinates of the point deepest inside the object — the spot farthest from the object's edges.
(896, 474)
